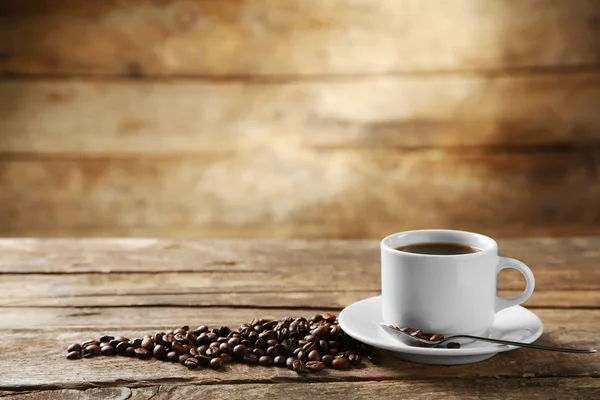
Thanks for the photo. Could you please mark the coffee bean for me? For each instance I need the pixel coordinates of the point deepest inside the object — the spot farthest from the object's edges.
(234, 341)
(148, 344)
(90, 343)
(279, 361)
(172, 356)
(157, 338)
(354, 359)
(417, 333)
(214, 344)
(179, 331)
(185, 328)
(191, 338)
(295, 352)
(329, 317)
(225, 348)
(184, 357)
(250, 358)
(298, 366)
(314, 356)
(74, 347)
(340, 363)
(302, 356)
(453, 345)
(160, 352)
(216, 363)
(316, 318)
(91, 350)
(272, 351)
(436, 337)
(201, 329)
(191, 362)
(239, 350)
(121, 339)
(333, 344)
(320, 331)
(193, 352)
(106, 339)
(226, 357)
(310, 346)
(327, 359)
(323, 346)
(142, 353)
(272, 342)
(202, 349)
(311, 338)
(289, 362)
(224, 331)
(74, 355)
(212, 336)
(108, 350)
(129, 352)
(202, 339)
(258, 352)
(177, 347)
(181, 338)
(213, 352)
(265, 361)
(260, 343)
(315, 366)
(204, 360)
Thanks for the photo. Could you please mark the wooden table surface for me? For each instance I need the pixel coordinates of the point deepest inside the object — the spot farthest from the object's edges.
(54, 292)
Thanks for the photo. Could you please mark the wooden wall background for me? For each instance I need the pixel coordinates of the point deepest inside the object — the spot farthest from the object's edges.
(299, 118)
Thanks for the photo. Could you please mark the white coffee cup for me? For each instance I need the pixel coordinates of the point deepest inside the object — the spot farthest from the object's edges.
(448, 294)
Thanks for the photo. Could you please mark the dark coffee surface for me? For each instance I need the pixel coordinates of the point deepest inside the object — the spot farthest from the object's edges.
(439, 249)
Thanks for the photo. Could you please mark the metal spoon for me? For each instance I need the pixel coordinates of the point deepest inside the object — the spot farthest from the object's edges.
(415, 341)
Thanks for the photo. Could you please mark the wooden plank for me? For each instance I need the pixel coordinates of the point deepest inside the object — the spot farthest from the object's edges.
(563, 299)
(495, 193)
(258, 255)
(298, 37)
(118, 117)
(558, 388)
(43, 366)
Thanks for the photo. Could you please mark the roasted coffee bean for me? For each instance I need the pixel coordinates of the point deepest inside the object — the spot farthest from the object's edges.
(437, 336)
(214, 344)
(74, 355)
(333, 344)
(272, 352)
(181, 338)
(213, 352)
(247, 343)
(172, 356)
(302, 342)
(148, 344)
(108, 350)
(179, 331)
(202, 349)
(191, 363)
(225, 348)
(334, 332)
(314, 356)
(239, 350)
(295, 352)
(121, 339)
(258, 328)
(272, 342)
(302, 356)
(316, 318)
(106, 339)
(224, 331)
(453, 345)
(340, 363)
(216, 363)
(91, 350)
(260, 343)
(234, 341)
(327, 359)
(202, 339)
(320, 331)
(250, 358)
(310, 346)
(323, 346)
(354, 359)
(193, 351)
(114, 343)
(142, 353)
(185, 328)
(226, 357)
(74, 347)
(201, 329)
(184, 357)
(212, 336)
(204, 360)
(329, 317)
(298, 366)
(265, 361)
(157, 338)
(259, 352)
(160, 352)
(314, 366)
(136, 343)
(129, 352)
(279, 361)
(90, 343)
(417, 333)
(289, 362)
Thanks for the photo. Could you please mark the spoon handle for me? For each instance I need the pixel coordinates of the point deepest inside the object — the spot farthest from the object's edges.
(519, 344)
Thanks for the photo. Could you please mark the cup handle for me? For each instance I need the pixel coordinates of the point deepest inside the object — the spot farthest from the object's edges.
(506, 262)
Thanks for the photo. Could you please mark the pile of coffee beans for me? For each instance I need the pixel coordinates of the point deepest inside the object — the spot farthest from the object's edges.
(434, 337)
(299, 344)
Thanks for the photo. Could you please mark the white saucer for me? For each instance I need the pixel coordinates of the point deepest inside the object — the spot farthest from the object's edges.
(361, 321)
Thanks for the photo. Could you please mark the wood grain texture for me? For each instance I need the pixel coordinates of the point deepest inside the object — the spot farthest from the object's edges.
(286, 192)
(558, 388)
(297, 38)
(119, 117)
(260, 273)
(53, 329)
